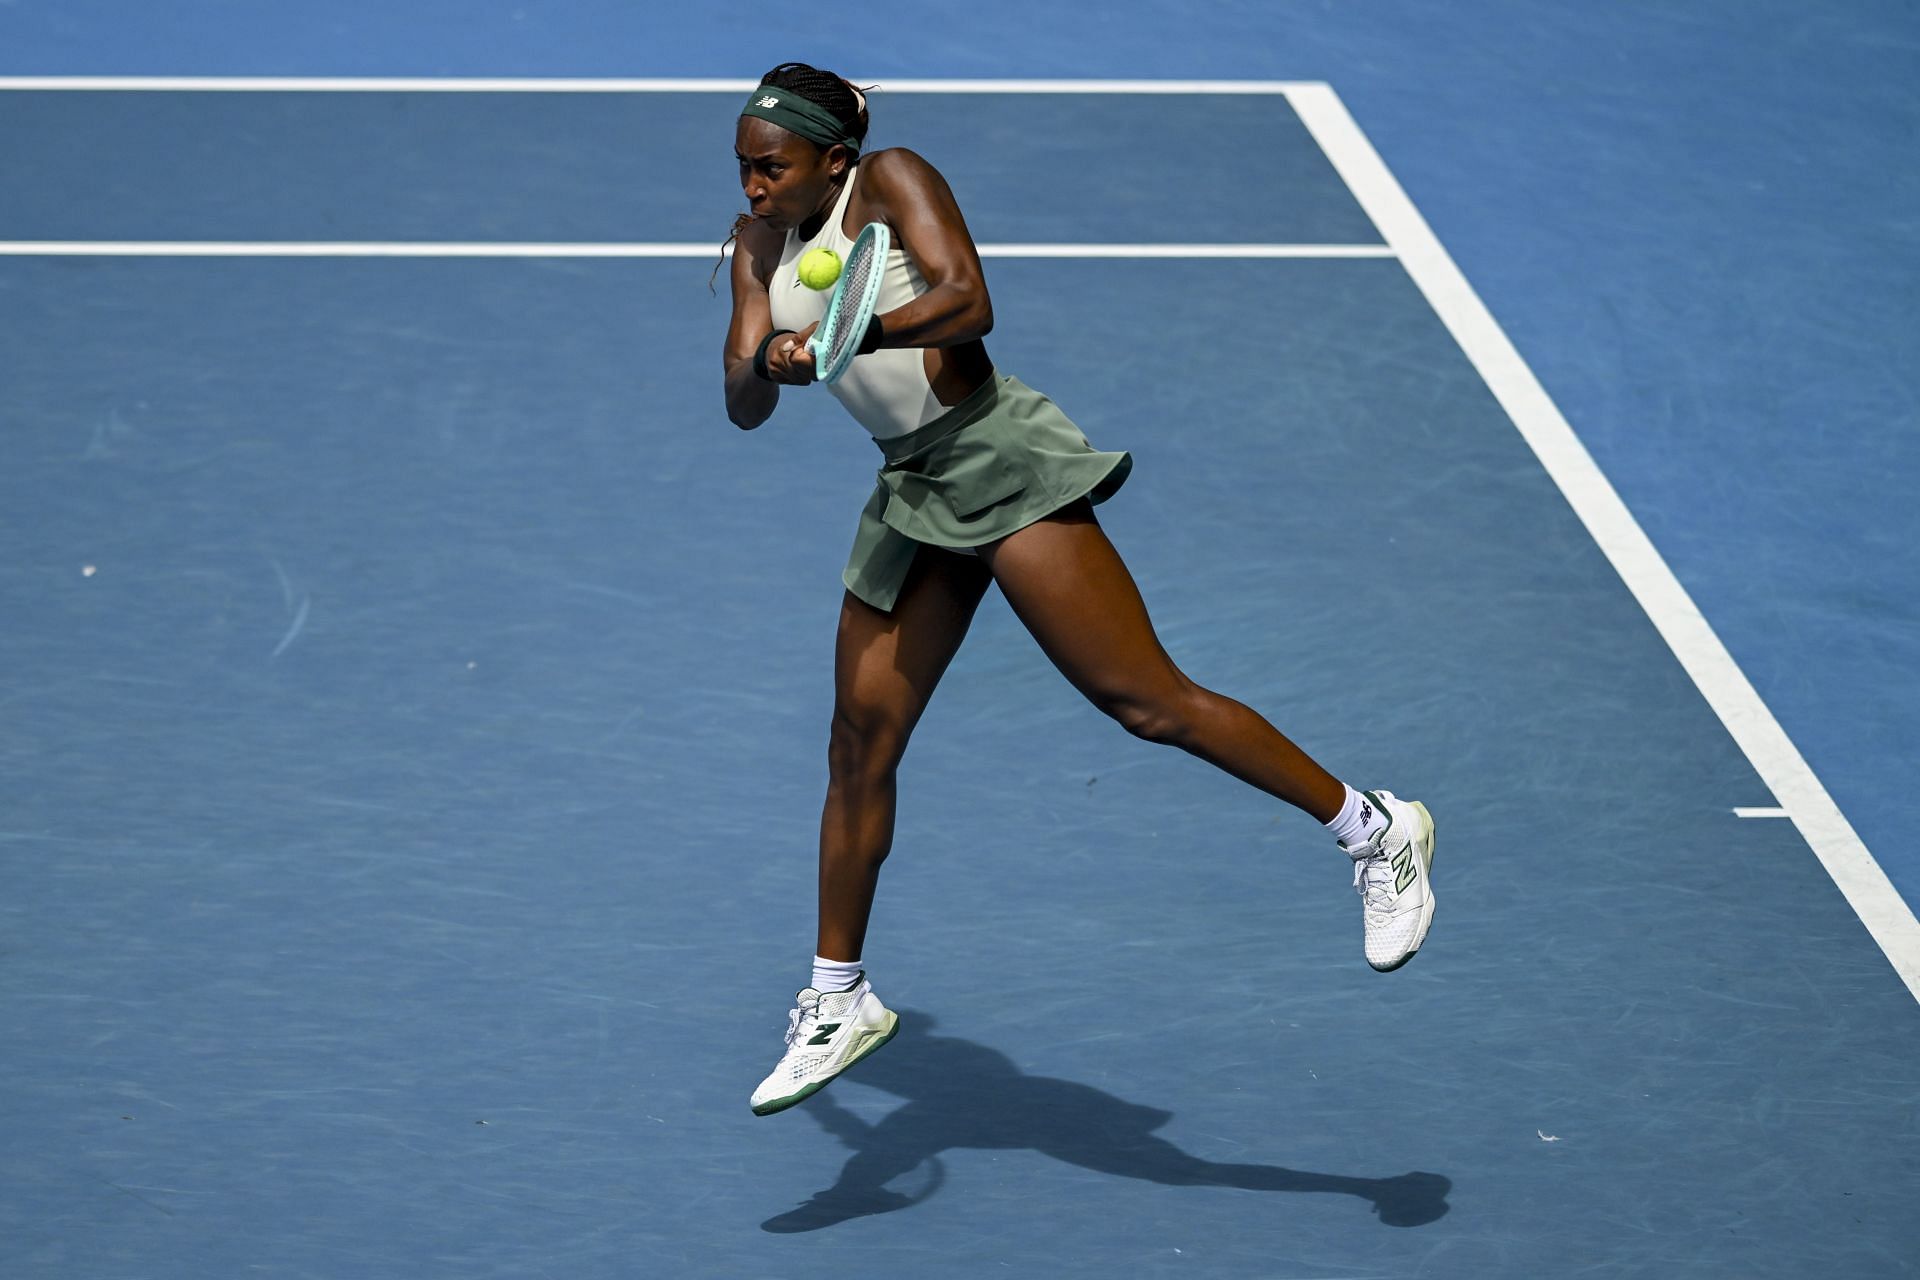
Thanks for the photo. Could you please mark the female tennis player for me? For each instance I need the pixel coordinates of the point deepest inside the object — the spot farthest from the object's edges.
(984, 482)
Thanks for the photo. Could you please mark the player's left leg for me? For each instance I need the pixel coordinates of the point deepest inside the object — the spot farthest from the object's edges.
(1070, 589)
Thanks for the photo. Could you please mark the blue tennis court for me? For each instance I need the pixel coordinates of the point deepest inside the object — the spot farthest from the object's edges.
(415, 728)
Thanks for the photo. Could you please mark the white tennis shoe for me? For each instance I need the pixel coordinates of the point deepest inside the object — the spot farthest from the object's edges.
(1392, 874)
(827, 1032)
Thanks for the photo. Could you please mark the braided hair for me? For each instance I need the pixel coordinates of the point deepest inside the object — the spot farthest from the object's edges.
(823, 89)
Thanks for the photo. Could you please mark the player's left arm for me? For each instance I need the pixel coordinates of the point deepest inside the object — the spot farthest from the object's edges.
(911, 197)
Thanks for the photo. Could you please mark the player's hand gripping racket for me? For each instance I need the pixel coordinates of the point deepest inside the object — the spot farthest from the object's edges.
(837, 341)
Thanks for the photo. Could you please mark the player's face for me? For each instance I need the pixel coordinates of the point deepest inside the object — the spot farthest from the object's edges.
(785, 178)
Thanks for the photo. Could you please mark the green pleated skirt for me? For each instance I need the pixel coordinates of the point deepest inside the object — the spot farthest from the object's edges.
(991, 465)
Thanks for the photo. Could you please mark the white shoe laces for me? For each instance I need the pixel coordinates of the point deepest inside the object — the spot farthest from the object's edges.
(1373, 875)
(1373, 880)
(799, 1014)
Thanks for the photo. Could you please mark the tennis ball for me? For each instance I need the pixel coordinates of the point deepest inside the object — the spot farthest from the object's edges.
(819, 268)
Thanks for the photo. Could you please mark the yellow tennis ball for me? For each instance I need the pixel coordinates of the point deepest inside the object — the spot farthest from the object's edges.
(819, 268)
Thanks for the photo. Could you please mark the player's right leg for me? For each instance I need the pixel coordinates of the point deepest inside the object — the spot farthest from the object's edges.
(886, 666)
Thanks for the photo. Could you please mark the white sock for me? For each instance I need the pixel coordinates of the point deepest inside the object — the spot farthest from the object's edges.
(1357, 820)
(834, 975)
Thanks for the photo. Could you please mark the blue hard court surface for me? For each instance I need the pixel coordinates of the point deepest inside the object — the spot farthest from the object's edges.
(416, 728)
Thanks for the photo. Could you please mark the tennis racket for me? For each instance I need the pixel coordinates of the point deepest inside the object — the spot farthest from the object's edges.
(837, 340)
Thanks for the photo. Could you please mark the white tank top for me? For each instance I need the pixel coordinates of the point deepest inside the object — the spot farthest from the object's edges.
(886, 391)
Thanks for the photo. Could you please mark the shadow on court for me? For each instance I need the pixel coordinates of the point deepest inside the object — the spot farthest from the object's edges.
(965, 1095)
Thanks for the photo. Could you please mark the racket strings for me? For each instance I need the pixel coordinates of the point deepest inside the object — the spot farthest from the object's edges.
(854, 275)
(854, 299)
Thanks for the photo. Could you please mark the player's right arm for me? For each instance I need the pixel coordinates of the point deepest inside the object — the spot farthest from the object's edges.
(751, 399)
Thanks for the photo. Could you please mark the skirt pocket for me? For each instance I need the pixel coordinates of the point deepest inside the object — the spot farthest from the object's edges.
(945, 493)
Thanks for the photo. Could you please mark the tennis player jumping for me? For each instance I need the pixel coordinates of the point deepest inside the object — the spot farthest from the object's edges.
(984, 483)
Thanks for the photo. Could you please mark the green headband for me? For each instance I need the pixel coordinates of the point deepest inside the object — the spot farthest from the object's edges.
(796, 114)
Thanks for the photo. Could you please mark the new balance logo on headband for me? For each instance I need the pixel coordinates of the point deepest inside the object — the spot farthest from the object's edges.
(768, 101)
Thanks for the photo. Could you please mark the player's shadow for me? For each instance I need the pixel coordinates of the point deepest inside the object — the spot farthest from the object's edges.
(965, 1095)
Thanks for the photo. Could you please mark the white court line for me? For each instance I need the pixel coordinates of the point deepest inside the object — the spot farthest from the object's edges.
(1726, 688)
(1186, 251)
(1740, 812)
(434, 249)
(336, 84)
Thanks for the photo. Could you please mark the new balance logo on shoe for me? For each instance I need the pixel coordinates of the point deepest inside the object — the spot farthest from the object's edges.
(827, 1032)
(1391, 874)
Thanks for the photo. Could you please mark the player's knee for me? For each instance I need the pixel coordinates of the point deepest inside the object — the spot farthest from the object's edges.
(865, 743)
(1153, 716)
